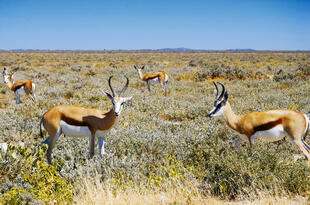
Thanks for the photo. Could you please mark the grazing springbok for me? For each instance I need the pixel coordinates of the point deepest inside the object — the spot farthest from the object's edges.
(20, 87)
(271, 125)
(80, 122)
(149, 78)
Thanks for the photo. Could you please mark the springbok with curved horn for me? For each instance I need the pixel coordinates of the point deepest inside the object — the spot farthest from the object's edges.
(271, 125)
(19, 87)
(79, 122)
(149, 78)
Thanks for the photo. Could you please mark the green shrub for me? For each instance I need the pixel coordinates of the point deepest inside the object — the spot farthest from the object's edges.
(304, 69)
(27, 171)
(12, 197)
(282, 75)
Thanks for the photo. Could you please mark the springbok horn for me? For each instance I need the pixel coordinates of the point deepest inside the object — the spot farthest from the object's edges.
(113, 94)
(125, 87)
(223, 91)
(217, 90)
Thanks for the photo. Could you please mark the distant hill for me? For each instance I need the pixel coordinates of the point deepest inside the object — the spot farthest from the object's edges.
(176, 49)
(241, 49)
(190, 49)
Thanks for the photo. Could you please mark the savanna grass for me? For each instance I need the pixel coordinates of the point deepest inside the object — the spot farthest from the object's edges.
(161, 143)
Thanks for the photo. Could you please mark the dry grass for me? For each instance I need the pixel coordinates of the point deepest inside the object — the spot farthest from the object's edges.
(94, 192)
(164, 149)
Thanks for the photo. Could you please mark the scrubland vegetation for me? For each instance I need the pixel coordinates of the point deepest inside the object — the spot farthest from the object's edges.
(164, 150)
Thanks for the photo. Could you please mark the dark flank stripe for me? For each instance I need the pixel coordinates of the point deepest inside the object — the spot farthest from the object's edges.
(16, 87)
(304, 137)
(151, 78)
(267, 126)
(26, 84)
(73, 122)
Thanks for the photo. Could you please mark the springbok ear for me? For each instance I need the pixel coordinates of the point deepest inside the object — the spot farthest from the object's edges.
(143, 67)
(135, 66)
(108, 95)
(127, 99)
(225, 96)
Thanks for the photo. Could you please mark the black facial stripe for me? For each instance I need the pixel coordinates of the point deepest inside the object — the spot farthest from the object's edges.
(218, 107)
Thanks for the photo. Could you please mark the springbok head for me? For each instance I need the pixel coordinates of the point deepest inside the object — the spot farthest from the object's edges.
(118, 100)
(139, 68)
(7, 76)
(220, 101)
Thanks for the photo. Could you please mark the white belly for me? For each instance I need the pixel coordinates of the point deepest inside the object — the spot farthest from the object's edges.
(154, 80)
(79, 131)
(272, 135)
(21, 91)
(74, 131)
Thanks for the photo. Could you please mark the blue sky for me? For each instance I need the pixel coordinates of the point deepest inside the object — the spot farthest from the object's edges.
(137, 24)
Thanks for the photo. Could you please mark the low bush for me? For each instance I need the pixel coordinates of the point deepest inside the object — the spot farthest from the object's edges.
(26, 173)
(161, 144)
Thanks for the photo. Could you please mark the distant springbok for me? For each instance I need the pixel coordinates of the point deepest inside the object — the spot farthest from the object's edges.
(270, 125)
(79, 122)
(149, 78)
(20, 87)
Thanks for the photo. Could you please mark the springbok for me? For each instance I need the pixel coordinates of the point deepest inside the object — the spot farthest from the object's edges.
(20, 87)
(80, 122)
(270, 125)
(149, 78)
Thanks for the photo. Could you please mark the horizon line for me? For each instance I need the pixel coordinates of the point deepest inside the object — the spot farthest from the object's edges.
(181, 49)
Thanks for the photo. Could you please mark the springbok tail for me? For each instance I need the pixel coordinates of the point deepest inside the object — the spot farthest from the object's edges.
(166, 77)
(41, 133)
(306, 132)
